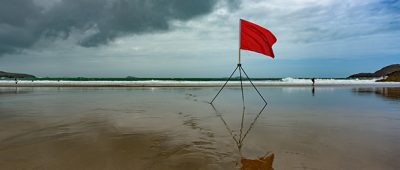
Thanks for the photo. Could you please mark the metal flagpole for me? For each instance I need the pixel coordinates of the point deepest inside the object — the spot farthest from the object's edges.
(241, 87)
(239, 66)
(240, 29)
(242, 135)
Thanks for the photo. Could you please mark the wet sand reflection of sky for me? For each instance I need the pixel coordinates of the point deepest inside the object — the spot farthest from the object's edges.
(175, 128)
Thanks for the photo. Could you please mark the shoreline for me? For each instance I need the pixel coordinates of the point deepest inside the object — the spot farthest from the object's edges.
(26, 83)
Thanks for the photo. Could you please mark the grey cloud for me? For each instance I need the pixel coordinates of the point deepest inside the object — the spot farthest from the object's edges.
(338, 21)
(24, 22)
(18, 24)
(234, 4)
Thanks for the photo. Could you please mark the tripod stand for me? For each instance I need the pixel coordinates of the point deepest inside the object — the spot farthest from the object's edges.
(239, 66)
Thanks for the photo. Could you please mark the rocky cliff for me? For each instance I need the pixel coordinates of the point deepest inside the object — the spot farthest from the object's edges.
(385, 71)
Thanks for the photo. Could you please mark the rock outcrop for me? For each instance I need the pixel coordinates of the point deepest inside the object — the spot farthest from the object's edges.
(385, 71)
(395, 76)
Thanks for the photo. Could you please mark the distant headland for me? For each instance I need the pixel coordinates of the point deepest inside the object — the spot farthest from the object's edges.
(390, 73)
(15, 75)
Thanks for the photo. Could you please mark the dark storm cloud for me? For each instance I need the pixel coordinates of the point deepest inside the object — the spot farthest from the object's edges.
(18, 23)
(22, 22)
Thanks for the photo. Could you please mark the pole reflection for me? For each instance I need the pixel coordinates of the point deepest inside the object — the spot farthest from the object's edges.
(262, 163)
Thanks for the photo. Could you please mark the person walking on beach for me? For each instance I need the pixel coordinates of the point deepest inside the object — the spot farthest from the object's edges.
(313, 81)
(313, 84)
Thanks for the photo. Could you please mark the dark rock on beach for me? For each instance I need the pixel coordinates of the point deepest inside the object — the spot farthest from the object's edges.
(395, 76)
(15, 75)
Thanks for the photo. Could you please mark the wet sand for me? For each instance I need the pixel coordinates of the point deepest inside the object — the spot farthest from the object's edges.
(175, 128)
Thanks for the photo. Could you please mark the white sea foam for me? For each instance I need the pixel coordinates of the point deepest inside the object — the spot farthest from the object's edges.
(171, 83)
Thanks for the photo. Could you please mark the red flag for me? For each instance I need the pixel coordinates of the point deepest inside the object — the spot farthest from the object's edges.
(256, 38)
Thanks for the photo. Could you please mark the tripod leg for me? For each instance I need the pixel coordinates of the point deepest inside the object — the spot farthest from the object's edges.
(224, 85)
(254, 86)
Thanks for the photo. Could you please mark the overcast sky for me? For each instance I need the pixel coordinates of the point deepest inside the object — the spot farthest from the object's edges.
(196, 38)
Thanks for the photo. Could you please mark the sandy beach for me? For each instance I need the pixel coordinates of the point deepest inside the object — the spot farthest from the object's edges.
(175, 128)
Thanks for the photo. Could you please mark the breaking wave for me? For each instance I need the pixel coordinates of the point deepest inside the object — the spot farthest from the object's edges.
(186, 83)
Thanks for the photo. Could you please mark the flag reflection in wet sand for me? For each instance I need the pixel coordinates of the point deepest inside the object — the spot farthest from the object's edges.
(262, 163)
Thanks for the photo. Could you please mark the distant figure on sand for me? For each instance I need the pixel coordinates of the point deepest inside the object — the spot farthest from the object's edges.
(16, 81)
(313, 81)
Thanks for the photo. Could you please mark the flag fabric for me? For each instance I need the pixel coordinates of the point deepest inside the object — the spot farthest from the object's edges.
(256, 38)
